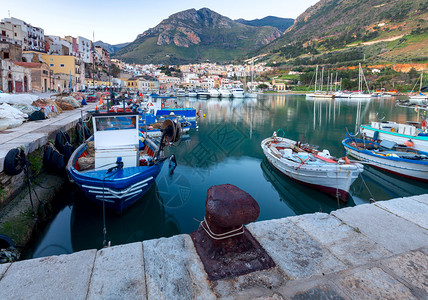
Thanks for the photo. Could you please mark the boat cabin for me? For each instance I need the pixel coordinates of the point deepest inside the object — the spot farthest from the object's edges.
(116, 137)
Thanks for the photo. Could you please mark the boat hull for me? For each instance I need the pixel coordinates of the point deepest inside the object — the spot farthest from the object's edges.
(118, 189)
(334, 179)
(417, 170)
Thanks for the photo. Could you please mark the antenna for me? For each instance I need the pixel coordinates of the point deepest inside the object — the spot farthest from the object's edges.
(8, 13)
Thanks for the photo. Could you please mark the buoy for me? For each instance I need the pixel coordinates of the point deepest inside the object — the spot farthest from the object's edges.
(409, 143)
(204, 115)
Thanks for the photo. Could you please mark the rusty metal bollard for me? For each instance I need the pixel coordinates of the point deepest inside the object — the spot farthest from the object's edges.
(224, 246)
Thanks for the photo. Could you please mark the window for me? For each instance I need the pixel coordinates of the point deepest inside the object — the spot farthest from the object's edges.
(52, 65)
(6, 55)
(51, 59)
(62, 65)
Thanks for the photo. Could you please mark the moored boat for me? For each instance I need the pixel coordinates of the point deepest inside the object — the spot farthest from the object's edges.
(214, 93)
(238, 93)
(311, 167)
(111, 167)
(388, 156)
(399, 133)
(225, 93)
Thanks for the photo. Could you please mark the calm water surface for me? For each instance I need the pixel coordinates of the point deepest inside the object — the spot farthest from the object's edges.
(226, 149)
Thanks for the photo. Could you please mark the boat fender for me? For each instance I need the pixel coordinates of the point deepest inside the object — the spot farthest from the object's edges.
(409, 143)
(172, 164)
(14, 161)
(61, 139)
(47, 156)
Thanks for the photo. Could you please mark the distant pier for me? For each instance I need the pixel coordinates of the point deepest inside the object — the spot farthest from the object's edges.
(371, 251)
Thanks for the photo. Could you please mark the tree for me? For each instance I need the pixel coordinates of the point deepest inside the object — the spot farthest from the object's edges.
(262, 86)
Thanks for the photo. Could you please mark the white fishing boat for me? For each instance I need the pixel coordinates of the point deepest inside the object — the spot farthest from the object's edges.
(238, 93)
(181, 93)
(192, 94)
(311, 167)
(389, 157)
(225, 93)
(202, 94)
(214, 93)
(403, 134)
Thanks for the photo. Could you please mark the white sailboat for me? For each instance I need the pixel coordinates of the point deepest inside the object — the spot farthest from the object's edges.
(420, 96)
(360, 94)
(320, 94)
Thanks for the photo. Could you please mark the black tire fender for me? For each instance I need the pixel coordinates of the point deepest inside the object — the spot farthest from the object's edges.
(61, 139)
(14, 161)
(46, 156)
(6, 242)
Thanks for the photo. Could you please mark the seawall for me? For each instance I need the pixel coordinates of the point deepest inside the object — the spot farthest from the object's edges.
(369, 251)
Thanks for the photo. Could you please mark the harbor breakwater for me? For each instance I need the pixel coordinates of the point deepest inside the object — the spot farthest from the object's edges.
(371, 251)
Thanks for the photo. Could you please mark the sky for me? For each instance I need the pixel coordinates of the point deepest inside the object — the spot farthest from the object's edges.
(120, 21)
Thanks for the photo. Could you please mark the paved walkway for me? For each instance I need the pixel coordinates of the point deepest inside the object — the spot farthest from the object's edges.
(372, 251)
(34, 134)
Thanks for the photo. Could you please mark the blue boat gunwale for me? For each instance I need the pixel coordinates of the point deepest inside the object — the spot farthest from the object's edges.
(392, 158)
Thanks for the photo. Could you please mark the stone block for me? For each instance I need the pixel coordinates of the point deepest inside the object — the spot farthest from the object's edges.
(294, 251)
(119, 273)
(413, 268)
(421, 198)
(3, 269)
(343, 241)
(394, 233)
(374, 284)
(174, 271)
(54, 277)
(407, 208)
(249, 285)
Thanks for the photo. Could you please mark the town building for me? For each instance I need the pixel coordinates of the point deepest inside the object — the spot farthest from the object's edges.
(42, 79)
(14, 78)
(85, 48)
(33, 38)
(58, 46)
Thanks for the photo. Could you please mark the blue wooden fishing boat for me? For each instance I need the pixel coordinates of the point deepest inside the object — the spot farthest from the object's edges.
(390, 157)
(157, 106)
(117, 166)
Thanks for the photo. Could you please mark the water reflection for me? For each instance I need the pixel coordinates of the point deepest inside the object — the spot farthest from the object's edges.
(226, 149)
(79, 226)
(299, 198)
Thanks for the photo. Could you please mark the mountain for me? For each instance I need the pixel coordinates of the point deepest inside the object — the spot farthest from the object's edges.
(378, 30)
(282, 24)
(110, 48)
(195, 36)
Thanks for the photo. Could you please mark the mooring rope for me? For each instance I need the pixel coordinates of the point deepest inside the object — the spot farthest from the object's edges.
(221, 236)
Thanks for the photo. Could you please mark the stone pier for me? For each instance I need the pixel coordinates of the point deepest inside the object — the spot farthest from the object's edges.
(372, 251)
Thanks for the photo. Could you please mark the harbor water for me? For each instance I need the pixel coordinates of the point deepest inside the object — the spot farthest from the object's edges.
(225, 148)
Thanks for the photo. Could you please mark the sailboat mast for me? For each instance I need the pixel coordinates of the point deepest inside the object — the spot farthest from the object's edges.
(420, 86)
(322, 77)
(316, 78)
(335, 83)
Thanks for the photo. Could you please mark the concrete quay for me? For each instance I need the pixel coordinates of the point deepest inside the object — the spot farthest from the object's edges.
(34, 134)
(371, 251)
(31, 136)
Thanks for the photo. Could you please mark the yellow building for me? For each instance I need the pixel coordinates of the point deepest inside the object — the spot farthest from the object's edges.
(132, 83)
(65, 64)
